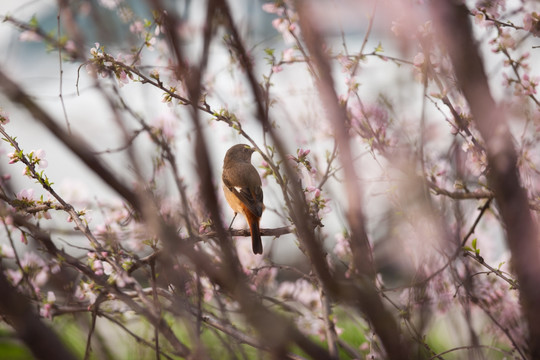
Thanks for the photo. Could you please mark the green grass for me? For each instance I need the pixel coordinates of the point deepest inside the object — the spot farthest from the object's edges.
(110, 341)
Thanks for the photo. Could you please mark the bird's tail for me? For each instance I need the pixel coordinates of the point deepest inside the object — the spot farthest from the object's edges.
(256, 242)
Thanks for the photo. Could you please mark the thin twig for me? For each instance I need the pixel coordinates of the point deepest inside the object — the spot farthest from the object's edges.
(60, 95)
(88, 348)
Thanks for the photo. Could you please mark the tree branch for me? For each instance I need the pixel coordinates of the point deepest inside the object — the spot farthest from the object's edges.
(454, 28)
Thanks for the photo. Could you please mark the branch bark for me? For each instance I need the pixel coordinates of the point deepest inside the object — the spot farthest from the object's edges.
(369, 301)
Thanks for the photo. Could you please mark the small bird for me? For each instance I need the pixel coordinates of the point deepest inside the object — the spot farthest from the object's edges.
(242, 188)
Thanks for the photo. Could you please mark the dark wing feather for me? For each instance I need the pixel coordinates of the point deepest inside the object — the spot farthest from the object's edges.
(252, 198)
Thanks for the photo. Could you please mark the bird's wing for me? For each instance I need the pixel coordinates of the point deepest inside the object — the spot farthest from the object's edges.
(251, 196)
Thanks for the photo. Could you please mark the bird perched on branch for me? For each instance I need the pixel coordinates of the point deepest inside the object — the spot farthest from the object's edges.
(242, 188)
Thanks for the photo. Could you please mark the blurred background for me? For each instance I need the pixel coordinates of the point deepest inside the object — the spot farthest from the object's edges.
(389, 84)
(297, 109)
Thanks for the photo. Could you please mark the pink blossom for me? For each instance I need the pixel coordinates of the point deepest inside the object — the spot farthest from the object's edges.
(30, 36)
(479, 17)
(286, 29)
(26, 194)
(279, 24)
(7, 251)
(491, 7)
(95, 51)
(97, 266)
(288, 54)
(70, 46)
(137, 27)
(15, 276)
(154, 73)
(425, 29)
(4, 117)
(41, 277)
(342, 247)
(208, 289)
(286, 290)
(277, 69)
(91, 70)
(529, 85)
(45, 311)
(13, 158)
(39, 157)
(159, 30)
(36, 267)
(312, 324)
(307, 294)
(346, 63)
(378, 115)
(110, 4)
(86, 292)
(303, 153)
(122, 78)
(419, 59)
(273, 9)
(51, 297)
(503, 41)
(166, 123)
(202, 228)
(55, 269)
(150, 43)
(507, 41)
(122, 279)
(246, 256)
(107, 268)
(264, 277)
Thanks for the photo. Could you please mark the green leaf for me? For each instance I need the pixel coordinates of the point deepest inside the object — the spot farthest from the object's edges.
(34, 21)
